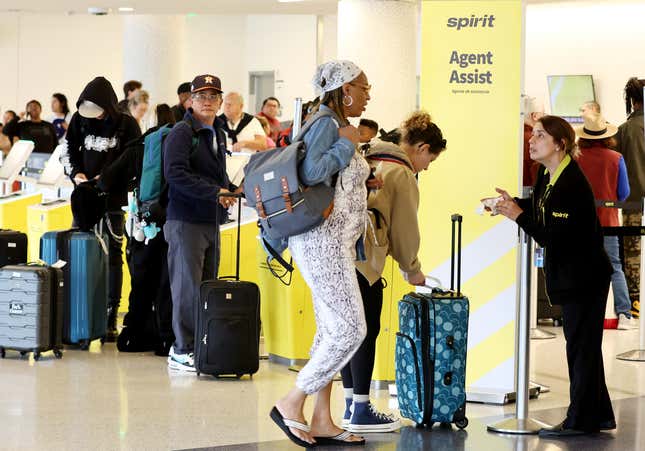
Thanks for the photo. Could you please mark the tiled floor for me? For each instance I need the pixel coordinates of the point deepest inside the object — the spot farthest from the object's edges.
(104, 400)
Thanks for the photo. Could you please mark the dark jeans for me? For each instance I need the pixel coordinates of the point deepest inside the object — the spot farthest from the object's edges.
(583, 328)
(115, 259)
(193, 256)
(357, 374)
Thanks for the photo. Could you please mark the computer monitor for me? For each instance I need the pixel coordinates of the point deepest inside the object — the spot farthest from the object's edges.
(567, 93)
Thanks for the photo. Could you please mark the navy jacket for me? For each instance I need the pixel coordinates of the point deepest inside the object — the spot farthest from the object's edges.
(195, 178)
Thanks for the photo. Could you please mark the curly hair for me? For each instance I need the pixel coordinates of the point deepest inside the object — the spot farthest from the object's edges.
(419, 128)
(633, 93)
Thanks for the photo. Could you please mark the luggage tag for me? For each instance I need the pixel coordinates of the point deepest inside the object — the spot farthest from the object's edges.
(59, 264)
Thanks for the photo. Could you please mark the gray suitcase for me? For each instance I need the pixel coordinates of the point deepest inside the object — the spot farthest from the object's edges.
(31, 309)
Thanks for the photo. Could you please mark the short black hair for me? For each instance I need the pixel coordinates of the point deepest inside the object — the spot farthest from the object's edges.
(12, 113)
(373, 125)
(264, 102)
(184, 88)
(131, 85)
(164, 114)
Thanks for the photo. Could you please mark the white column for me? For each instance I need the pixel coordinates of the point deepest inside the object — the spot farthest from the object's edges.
(152, 54)
(381, 37)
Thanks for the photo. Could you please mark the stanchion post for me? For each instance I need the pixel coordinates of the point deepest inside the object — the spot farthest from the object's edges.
(521, 423)
(638, 355)
(297, 117)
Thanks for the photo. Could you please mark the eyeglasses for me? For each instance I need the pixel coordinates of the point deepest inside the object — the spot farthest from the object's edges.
(366, 88)
(201, 97)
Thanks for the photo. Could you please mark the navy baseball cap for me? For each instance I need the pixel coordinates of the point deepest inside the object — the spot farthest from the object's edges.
(203, 82)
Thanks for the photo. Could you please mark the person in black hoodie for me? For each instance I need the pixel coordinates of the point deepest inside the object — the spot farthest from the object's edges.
(96, 137)
(148, 323)
(561, 217)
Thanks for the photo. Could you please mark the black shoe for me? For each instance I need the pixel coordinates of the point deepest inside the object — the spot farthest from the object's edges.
(560, 431)
(162, 348)
(112, 332)
(607, 425)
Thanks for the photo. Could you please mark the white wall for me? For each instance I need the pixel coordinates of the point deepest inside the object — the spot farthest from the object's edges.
(593, 37)
(44, 53)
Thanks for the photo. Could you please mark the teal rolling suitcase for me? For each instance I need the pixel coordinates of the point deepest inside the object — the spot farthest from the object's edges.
(86, 288)
(431, 352)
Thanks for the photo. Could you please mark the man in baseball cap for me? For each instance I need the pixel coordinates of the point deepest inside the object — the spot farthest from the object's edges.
(195, 175)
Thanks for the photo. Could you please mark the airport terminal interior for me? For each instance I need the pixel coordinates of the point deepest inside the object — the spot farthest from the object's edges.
(480, 68)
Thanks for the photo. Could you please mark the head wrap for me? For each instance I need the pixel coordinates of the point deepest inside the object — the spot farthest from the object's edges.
(334, 74)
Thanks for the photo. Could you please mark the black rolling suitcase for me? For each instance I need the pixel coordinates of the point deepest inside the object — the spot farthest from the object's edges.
(227, 332)
(13, 247)
(31, 309)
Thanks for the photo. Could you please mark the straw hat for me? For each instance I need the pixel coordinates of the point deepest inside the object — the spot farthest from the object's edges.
(595, 127)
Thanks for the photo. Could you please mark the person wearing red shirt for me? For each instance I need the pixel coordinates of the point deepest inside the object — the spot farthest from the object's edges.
(607, 174)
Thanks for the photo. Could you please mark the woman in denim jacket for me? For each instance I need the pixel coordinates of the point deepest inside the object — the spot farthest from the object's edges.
(325, 255)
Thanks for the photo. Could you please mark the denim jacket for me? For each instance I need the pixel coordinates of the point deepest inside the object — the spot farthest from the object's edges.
(327, 153)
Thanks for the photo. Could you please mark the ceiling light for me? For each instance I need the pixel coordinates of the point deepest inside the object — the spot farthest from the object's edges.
(126, 9)
(290, 1)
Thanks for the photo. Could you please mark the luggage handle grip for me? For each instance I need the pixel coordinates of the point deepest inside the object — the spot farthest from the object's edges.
(239, 196)
(456, 221)
(438, 285)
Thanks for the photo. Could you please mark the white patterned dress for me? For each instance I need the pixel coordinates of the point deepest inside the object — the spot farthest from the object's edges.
(325, 257)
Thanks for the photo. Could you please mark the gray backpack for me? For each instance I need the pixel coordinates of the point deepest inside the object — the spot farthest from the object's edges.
(286, 207)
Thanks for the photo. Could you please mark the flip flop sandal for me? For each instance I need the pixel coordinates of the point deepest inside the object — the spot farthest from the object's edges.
(339, 440)
(285, 424)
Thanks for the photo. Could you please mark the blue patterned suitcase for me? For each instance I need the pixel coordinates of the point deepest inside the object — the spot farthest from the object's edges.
(86, 272)
(431, 352)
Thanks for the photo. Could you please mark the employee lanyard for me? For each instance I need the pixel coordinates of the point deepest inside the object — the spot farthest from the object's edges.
(549, 187)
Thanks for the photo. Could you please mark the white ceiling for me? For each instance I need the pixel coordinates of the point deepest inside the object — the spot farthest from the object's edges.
(174, 6)
(190, 6)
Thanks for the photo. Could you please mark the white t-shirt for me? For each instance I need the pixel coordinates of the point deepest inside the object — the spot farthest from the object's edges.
(247, 133)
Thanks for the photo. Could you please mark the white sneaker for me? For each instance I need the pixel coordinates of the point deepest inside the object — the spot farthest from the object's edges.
(181, 362)
(625, 323)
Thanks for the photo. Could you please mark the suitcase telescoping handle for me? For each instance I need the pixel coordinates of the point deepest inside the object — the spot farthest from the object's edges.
(456, 223)
(239, 197)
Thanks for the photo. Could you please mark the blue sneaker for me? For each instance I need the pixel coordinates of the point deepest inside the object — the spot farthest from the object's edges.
(181, 362)
(365, 418)
(348, 413)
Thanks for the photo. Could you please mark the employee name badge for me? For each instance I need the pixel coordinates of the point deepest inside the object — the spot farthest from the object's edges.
(539, 257)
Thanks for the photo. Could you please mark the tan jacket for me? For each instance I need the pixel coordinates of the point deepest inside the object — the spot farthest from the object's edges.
(396, 233)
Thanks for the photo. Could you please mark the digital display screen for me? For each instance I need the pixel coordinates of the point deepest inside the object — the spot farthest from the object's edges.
(568, 93)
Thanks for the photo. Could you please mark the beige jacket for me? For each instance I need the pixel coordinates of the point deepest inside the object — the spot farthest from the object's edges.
(396, 233)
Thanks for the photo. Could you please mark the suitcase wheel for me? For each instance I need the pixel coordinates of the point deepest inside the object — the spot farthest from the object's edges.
(84, 344)
(461, 424)
(3, 353)
(58, 353)
(23, 353)
(36, 356)
(102, 340)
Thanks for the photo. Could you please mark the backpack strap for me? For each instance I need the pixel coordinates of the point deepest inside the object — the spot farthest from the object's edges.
(390, 159)
(312, 120)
